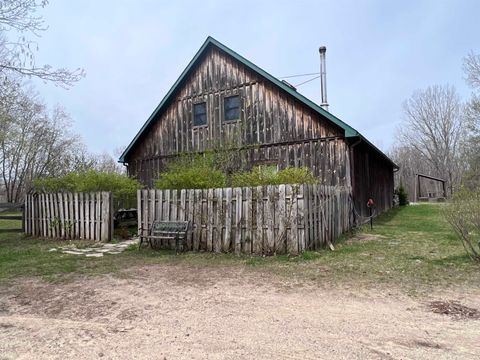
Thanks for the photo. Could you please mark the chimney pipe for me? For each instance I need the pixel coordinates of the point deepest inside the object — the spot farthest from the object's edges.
(323, 78)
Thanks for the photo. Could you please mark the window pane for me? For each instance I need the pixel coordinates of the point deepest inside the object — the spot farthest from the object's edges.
(200, 114)
(231, 107)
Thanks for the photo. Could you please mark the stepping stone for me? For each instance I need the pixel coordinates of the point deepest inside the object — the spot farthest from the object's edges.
(94, 255)
(72, 252)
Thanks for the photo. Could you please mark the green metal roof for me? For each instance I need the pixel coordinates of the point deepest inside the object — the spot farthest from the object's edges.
(349, 131)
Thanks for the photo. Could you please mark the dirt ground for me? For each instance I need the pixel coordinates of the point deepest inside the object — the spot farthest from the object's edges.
(183, 312)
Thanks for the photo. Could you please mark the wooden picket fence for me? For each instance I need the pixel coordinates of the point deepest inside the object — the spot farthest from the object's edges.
(86, 216)
(276, 219)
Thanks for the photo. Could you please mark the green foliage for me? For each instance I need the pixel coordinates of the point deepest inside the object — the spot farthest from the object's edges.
(208, 171)
(89, 181)
(269, 175)
(463, 214)
(402, 196)
(192, 172)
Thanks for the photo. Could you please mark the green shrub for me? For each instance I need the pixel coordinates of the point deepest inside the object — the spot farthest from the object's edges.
(402, 196)
(89, 181)
(192, 172)
(269, 175)
(463, 213)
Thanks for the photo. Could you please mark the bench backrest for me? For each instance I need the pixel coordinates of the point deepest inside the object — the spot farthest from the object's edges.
(169, 227)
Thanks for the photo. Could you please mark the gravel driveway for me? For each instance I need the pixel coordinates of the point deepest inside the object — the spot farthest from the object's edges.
(184, 312)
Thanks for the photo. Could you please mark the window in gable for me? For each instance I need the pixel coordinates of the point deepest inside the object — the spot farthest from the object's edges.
(200, 114)
(231, 108)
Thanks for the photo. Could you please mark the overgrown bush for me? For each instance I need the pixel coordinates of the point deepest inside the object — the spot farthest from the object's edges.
(463, 213)
(269, 175)
(192, 172)
(120, 185)
(402, 196)
(206, 171)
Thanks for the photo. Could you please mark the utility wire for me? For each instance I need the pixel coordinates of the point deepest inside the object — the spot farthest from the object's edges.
(316, 77)
(299, 75)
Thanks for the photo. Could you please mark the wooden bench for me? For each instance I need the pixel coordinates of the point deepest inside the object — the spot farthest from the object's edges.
(167, 230)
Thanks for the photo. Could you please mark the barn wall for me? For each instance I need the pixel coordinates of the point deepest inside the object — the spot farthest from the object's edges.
(372, 178)
(327, 158)
(279, 128)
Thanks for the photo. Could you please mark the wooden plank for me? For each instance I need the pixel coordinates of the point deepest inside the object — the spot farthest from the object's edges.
(71, 217)
(182, 208)
(158, 204)
(282, 221)
(140, 231)
(210, 220)
(270, 212)
(91, 216)
(198, 220)
(43, 217)
(98, 199)
(204, 219)
(152, 208)
(190, 217)
(32, 214)
(61, 215)
(86, 215)
(173, 211)
(258, 242)
(247, 246)
(50, 214)
(228, 220)
(76, 228)
(81, 209)
(25, 211)
(300, 219)
(106, 218)
(218, 236)
(294, 248)
(238, 219)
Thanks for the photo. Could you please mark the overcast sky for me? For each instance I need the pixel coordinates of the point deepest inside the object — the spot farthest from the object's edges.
(378, 53)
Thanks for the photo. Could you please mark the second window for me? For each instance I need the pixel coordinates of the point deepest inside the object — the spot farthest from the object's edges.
(231, 108)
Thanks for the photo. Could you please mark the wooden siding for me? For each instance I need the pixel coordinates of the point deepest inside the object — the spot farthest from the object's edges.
(372, 178)
(269, 117)
(327, 158)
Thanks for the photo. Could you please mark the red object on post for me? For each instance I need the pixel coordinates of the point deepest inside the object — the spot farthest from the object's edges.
(370, 205)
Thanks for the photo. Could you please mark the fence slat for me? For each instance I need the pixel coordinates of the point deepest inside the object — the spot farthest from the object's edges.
(238, 219)
(258, 243)
(228, 220)
(217, 237)
(280, 243)
(270, 216)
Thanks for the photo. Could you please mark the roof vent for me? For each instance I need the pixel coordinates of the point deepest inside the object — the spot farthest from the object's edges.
(289, 85)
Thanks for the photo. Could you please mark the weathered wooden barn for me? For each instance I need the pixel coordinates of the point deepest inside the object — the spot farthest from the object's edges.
(221, 96)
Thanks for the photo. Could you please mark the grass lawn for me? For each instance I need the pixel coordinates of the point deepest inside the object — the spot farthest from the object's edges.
(412, 247)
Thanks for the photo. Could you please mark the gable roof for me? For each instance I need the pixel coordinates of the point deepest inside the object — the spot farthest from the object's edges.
(349, 131)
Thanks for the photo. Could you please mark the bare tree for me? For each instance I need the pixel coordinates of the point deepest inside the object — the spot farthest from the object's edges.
(19, 17)
(471, 67)
(33, 142)
(435, 128)
(104, 162)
